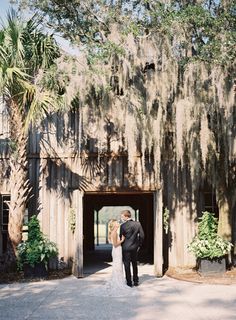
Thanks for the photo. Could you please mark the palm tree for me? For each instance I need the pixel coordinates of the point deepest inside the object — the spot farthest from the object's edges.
(26, 53)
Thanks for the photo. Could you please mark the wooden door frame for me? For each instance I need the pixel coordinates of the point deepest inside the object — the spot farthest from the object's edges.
(78, 262)
(158, 234)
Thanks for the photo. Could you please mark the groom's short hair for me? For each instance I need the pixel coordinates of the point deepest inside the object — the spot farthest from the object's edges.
(126, 213)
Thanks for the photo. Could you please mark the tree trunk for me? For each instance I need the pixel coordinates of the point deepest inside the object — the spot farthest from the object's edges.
(19, 184)
(19, 190)
(9, 258)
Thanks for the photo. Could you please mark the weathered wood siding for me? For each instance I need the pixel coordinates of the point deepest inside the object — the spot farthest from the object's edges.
(62, 163)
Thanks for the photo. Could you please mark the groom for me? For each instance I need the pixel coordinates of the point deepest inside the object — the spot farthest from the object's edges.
(134, 236)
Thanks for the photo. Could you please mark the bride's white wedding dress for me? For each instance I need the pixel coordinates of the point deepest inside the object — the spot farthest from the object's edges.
(116, 285)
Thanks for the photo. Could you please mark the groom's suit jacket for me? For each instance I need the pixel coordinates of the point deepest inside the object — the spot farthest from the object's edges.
(133, 233)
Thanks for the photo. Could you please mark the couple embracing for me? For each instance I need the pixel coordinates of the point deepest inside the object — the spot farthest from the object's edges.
(126, 240)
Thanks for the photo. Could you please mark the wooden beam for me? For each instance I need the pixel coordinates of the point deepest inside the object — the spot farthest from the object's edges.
(158, 234)
(78, 254)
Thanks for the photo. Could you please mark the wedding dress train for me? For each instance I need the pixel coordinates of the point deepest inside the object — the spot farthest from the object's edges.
(116, 285)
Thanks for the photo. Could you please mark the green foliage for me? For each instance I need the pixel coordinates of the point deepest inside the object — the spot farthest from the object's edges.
(111, 212)
(72, 219)
(207, 243)
(54, 80)
(166, 217)
(207, 31)
(103, 52)
(34, 232)
(26, 53)
(207, 28)
(207, 226)
(37, 248)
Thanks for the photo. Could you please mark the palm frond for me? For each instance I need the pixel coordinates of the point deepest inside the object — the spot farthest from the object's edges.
(2, 36)
(49, 51)
(3, 55)
(43, 102)
(1, 81)
(25, 53)
(14, 31)
(15, 74)
(27, 94)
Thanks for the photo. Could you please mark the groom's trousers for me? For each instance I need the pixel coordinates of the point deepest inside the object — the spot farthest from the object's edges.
(130, 257)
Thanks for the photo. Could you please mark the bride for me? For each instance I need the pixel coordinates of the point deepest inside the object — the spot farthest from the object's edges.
(117, 278)
(116, 285)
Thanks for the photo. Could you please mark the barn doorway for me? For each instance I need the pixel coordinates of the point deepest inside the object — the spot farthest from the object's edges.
(98, 209)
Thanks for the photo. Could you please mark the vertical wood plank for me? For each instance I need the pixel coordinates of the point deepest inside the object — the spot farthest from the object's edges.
(52, 202)
(45, 171)
(78, 255)
(158, 234)
(60, 209)
(67, 242)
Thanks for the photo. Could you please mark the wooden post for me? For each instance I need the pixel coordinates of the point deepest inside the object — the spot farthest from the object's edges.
(107, 233)
(78, 254)
(158, 234)
(97, 226)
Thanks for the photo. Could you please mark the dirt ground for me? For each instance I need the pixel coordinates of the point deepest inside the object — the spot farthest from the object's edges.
(12, 277)
(184, 274)
(189, 274)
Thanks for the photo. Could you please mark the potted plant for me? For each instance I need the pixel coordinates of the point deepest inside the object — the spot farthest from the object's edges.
(209, 248)
(35, 252)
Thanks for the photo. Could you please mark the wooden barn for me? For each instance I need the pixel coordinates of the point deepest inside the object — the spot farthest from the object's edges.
(143, 135)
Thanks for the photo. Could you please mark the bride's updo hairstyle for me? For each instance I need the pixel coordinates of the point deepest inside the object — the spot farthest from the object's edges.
(111, 225)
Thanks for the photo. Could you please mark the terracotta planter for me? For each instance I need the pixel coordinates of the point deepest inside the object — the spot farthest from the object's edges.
(38, 271)
(208, 267)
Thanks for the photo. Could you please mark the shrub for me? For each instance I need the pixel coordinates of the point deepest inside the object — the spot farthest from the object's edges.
(207, 243)
(37, 248)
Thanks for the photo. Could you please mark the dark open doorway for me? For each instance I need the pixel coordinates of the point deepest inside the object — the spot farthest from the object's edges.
(97, 252)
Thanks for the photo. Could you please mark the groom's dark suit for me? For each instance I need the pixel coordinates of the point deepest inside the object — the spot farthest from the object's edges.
(134, 236)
